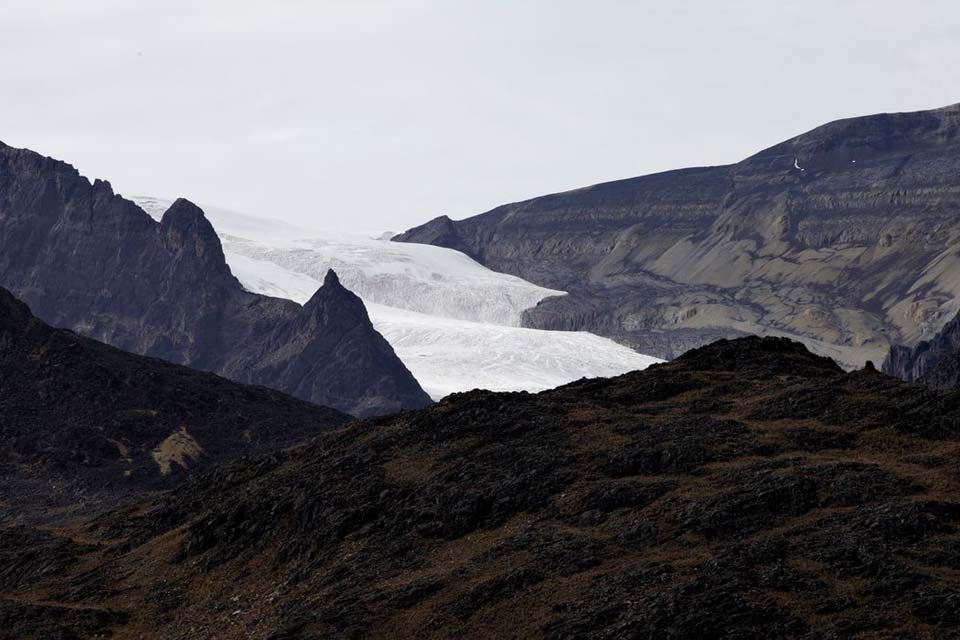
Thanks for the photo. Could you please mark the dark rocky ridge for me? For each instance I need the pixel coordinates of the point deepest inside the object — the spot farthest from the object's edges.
(852, 252)
(83, 423)
(748, 489)
(88, 260)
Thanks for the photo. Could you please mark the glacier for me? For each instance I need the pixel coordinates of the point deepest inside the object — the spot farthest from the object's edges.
(453, 322)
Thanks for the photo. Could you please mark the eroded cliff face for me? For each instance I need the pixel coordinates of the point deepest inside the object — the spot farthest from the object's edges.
(844, 237)
(88, 260)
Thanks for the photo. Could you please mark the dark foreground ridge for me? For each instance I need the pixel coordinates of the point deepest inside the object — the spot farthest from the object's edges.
(748, 489)
(87, 260)
(83, 424)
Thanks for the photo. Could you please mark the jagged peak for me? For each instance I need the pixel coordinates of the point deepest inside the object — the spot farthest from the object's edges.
(333, 296)
(436, 226)
(186, 227)
(182, 213)
(331, 279)
(186, 217)
(331, 287)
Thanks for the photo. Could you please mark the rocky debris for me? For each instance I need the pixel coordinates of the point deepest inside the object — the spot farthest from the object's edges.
(87, 260)
(683, 501)
(82, 423)
(667, 262)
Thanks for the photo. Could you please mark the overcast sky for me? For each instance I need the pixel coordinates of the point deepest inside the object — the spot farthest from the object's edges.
(375, 115)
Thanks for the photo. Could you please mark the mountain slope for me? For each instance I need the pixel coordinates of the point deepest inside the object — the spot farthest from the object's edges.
(82, 422)
(422, 278)
(85, 259)
(843, 236)
(747, 489)
(453, 322)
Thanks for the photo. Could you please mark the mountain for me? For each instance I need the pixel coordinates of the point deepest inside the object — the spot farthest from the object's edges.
(454, 323)
(844, 237)
(747, 489)
(87, 260)
(83, 423)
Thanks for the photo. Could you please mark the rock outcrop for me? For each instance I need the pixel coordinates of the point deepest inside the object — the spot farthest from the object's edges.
(748, 489)
(90, 261)
(844, 237)
(83, 424)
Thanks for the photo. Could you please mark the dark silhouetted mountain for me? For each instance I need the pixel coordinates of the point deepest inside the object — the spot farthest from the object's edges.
(87, 260)
(748, 489)
(82, 422)
(844, 237)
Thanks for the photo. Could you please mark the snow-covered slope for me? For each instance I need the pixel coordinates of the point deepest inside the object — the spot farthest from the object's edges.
(447, 355)
(452, 321)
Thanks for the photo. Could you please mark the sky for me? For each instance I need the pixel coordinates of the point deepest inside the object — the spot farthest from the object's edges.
(382, 114)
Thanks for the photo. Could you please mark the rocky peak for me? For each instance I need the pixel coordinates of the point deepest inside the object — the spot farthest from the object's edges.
(186, 218)
(185, 228)
(332, 280)
(440, 231)
(88, 260)
(333, 305)
(333, 296)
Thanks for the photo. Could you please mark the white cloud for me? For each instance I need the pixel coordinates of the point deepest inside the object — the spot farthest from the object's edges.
(394, 111)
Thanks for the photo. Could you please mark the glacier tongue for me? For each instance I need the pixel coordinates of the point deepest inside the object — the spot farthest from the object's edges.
(452, 321)
(447, 355)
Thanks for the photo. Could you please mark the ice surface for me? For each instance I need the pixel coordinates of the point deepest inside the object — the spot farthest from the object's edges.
(448, 355)
(452, 321)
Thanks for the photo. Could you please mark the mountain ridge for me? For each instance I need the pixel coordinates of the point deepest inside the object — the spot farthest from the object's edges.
(798, 239)
(86, 259)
